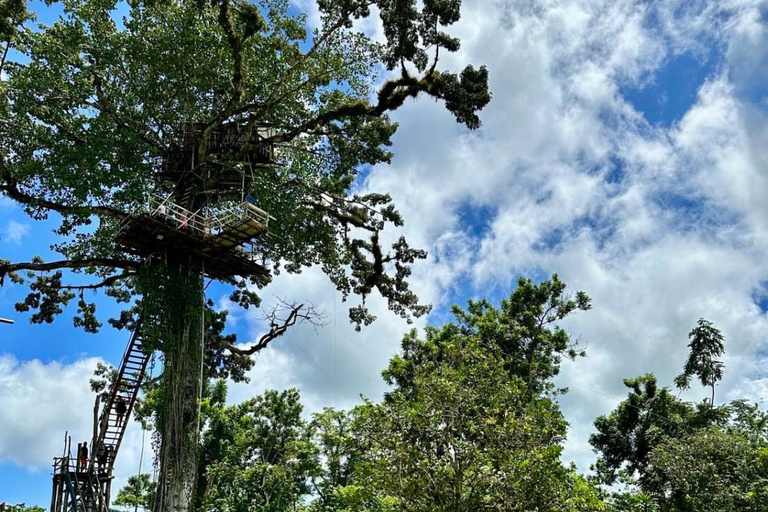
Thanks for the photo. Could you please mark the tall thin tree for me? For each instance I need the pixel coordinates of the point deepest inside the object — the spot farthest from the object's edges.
(706, 345)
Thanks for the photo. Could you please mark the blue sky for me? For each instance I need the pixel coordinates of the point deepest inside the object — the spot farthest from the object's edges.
(625, 149)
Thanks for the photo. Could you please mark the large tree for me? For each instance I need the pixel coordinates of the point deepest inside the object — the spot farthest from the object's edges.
(466, 435)
(472, 422)
(92, 105)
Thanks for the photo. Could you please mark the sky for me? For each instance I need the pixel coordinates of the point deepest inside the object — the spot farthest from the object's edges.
(625, 148)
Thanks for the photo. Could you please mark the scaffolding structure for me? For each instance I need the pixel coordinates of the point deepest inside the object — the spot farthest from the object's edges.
(79, 487)
(220, 237)
(227, 145)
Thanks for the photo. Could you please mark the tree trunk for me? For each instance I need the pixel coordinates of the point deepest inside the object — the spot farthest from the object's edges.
(174, 303)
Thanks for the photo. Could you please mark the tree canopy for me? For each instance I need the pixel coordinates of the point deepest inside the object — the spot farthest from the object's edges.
(96, 102)
(679, 456)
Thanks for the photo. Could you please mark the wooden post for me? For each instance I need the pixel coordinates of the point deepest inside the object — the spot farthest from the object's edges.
(109, 491)
(101, 495)
(96, 432)
(65, 501)
(53, 491)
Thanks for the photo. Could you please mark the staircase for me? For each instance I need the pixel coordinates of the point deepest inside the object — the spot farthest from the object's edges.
(113, 421)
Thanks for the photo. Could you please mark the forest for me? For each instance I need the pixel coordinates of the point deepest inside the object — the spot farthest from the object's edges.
(176, 143)
(472, 423)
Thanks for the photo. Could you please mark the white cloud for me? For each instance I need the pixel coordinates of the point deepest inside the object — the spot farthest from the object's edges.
(660, 225)
(40, 401)
(43, 401)
(14, 232)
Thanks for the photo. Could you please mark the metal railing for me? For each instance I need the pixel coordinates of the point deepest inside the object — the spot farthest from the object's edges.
(206, 223)
(180, 217)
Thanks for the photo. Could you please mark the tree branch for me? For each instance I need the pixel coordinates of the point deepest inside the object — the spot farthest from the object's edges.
(236, 45)
(105, 106)
(283, 79)
(106, 282)
(279, 327)
(10, 186)
(391, 96)
(5, 55)
(6, 268)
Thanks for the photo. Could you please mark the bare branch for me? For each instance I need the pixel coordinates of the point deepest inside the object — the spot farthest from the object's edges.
(279, 326)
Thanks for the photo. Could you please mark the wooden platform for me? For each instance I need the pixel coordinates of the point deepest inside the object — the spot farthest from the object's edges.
(216, 240)
(81, 476)
(226, 144)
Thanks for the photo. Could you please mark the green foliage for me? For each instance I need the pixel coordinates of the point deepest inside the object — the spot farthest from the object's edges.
(632, 501)
(86, 120)
(706, 344)
(12, 14)
(103, 381)
(21, 507)
(460, 431)
(171, 303)
(711, 471)
(219, 362)
(524, 330)
(627, 435)
(677, 456)
(261, 455)
(340, 452)
(465, 435)
(139, 492)
(648, 417)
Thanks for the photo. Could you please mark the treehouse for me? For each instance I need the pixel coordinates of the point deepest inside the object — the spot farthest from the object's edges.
(207, 213)
(231, 151)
